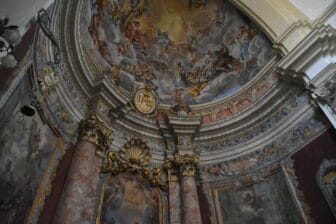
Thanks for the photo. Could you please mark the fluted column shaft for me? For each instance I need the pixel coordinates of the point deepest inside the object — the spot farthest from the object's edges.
(77, 203)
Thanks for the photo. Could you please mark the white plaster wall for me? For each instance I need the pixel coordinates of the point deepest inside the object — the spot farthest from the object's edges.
(312, 8)
(20, 12)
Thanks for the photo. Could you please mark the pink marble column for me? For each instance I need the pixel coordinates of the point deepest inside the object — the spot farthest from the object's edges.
(191, 213)
(79, 195)
(77, 203)
(174, 198)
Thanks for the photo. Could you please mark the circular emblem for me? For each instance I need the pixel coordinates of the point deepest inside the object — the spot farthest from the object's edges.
(145, 101)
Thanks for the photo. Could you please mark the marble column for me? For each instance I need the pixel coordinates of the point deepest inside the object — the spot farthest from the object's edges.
(79, 195)
(191, 213)
(174, 197)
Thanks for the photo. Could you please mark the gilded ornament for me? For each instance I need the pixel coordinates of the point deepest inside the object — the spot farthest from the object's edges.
(134, 157)
(188, 163)
(145, 101)
(329, 177)
(48, 80)
(136, 151)
(172, 170)
(95, 131)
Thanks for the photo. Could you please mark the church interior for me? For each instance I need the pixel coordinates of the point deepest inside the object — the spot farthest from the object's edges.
(168, 111)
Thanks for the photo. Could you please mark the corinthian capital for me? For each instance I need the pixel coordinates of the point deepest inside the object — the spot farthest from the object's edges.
(95, 131)
(188, 163)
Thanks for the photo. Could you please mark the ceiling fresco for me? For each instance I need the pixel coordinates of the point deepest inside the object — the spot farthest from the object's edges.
(193, 52)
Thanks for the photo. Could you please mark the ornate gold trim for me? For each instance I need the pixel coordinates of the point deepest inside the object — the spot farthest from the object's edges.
(188, 163)
(329, 177)
(93, 130)
(134, 157)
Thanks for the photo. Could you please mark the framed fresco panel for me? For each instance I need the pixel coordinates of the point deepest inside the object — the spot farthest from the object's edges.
(267, 202)
(126, 198)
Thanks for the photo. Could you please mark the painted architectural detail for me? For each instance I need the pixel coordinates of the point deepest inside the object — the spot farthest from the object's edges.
(267, 158)
(275, 119)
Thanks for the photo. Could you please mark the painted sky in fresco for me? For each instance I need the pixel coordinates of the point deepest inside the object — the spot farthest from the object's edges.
(195, 54)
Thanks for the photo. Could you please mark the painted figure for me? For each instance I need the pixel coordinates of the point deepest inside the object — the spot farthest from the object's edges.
(207, 58)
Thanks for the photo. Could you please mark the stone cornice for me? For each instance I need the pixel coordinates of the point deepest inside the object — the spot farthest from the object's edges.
(320, 42)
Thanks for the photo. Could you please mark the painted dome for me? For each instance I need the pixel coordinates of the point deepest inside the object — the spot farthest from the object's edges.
(196, 52)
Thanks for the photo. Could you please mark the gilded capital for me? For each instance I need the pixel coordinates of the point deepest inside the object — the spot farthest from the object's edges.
(172, 175)
(188, 163)
(93, 130)
(172, 170)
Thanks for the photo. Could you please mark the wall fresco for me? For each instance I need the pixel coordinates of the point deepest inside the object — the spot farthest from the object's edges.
(265, 202)
(170, 46)
(26, 144)
(127, 199)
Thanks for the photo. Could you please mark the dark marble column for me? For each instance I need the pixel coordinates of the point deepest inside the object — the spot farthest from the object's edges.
(174, 196)
(77, 203)
(191, 213)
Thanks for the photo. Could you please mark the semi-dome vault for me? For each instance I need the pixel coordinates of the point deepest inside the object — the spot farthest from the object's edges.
(206, 57)
(210, 103)
(197, 54)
